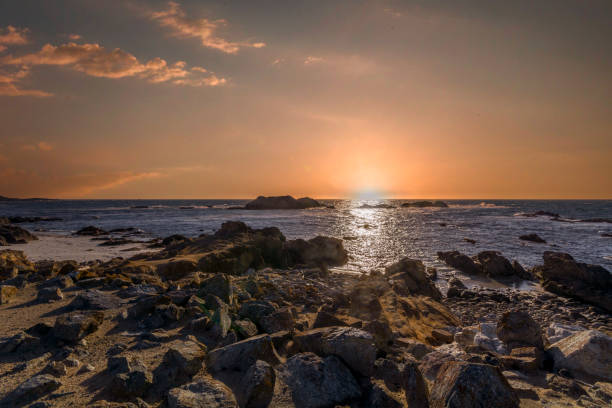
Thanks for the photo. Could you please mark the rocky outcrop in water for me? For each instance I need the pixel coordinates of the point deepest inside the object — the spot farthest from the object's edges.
(562, 275)
(488, 263)
(282, 203)
(12, 234)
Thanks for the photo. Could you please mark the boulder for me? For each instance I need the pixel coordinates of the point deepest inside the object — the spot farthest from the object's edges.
(13, 234)
(75, 326)
(518, 329)
(245, 328)
(355, 347)
(185, 358)
(562, 275)
(314, 382)
(91, 231)
(455, 288)
(219, 285)
(257, 386)
(131, 378)
(176, 270)
(532, 238)
(281, 319)
(557, 331)
(93, 299)
(32, 389)
(206, 392)
(50, 294)
(7, 293)
(588, 352)
(465, 385)
(380, 396)
(256, 310)
(241, 355)
(317, 251)
(493, 264)
(281, 203)
(459, 261)
(413, 274)
(13, 263)
(405, 379)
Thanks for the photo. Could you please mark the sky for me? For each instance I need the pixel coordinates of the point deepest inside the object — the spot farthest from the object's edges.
(330, 99)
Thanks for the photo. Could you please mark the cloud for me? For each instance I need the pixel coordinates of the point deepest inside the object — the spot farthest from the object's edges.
(40, 146)
(203, 29)
(74, 37)
(97, 61)
(13, 36)
(9, 83)
(312, 60)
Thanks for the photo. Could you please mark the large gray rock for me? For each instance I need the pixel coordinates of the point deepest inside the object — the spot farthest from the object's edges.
(257, 386)
(400, 378)
(50, 294)
(185, 357)
(219, 285)
(460, 262)
(131, 377)
(204, 393)
(518, 329)
(317, 251)
(32, 389)
(241, 355)
(314, 382)
(279, 320)
(493, 264)
(355, 347)
(13, 234)
(413, 274)
(471, 385)
(75, 326)
(587, 352)
(562, 275)
(94, 299)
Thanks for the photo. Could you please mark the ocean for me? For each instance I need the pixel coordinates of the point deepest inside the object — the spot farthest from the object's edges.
(373, 237)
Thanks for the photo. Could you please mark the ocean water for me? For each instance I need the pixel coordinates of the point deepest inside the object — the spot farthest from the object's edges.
(373, 237)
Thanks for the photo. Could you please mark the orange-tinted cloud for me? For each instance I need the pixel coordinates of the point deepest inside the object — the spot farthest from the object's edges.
(97, 61)
(203, 29)
(9, 83)
(13, 36)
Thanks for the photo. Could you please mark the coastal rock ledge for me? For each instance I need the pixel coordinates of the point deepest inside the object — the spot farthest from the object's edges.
(282, 203)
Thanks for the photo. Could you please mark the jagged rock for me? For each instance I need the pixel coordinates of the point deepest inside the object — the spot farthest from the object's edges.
(61, 282)
(131, 378)
(403, 378)
(518, 329)
(380, 396)
(562, 275)
(206, 392)
(257, 386)
(464, 385)
(354, 346)
(75, 326)
(566, 386)
(587, 352)
(525, 359)
(245, 328)
(33, 388)
(414, 276)
(279, 320)
(255, 310)
(431, 363)
(222, 320)
(493, 264)
(56, 369)
(13, 263)
(521, 272)
(460, 262)
(281, 203)
(176, 270)
(7, 293)
(185, 358)
(557, 331)
(413, 347)
(455, 287)
(219, 285)
(315, 382)
(21, 341)
(50, 294)
(317, 251)
(532, 238)
(13, 234)
(241, 355)
(93, 299)
(91, 231)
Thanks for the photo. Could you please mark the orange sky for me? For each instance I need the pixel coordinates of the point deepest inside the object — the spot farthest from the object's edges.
(411, 99)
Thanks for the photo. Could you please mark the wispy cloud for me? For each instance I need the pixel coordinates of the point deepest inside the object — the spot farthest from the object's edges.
(205, 30)
(74, 37)
(40, 146)
(312, 60)
(97, 61)
(13, 36)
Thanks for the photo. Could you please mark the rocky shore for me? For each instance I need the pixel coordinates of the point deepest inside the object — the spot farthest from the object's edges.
(246, 318)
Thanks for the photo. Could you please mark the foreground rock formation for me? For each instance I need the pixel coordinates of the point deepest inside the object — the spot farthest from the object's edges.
(246, 318)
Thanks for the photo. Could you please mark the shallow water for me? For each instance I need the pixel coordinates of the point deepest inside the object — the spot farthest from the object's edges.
(373, 237)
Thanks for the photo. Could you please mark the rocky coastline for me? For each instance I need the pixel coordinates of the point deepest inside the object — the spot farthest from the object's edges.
(247, 318)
